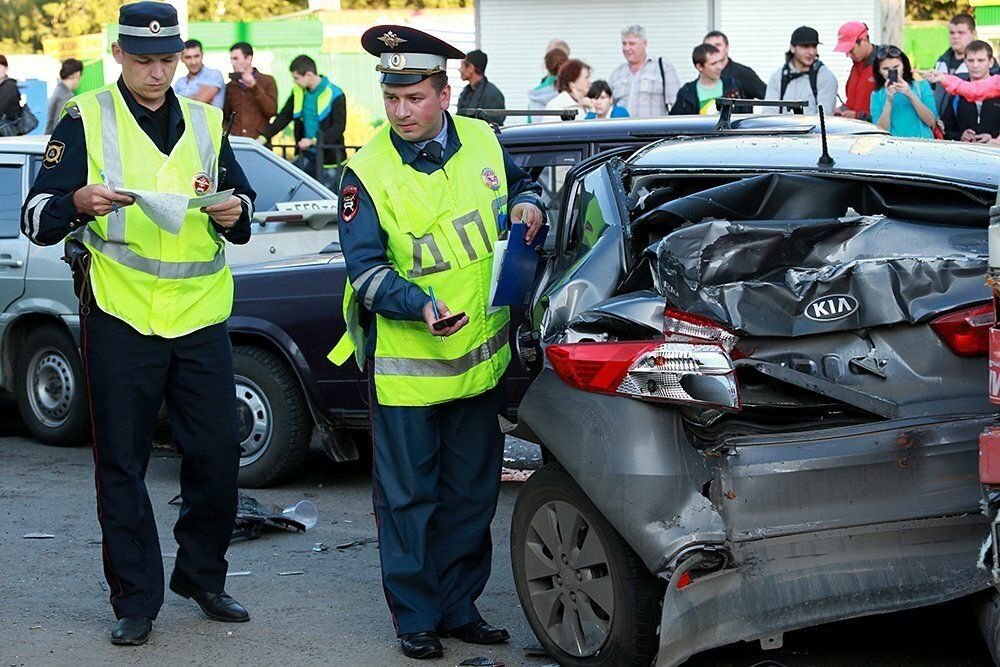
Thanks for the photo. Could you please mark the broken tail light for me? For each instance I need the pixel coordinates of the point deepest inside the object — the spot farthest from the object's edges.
(681, 326)
(697, 373)
(966, 332)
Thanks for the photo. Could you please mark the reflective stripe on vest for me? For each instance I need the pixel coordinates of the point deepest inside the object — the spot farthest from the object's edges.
(443, 367)
(154, 267)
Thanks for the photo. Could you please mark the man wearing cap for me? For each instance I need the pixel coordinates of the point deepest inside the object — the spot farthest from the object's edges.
(155, 293)
(803, 77)
(421, 206)
(853, 40)
(479, 93)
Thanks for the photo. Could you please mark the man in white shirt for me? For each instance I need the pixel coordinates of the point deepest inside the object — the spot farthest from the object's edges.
(644, 85)
(803, 77)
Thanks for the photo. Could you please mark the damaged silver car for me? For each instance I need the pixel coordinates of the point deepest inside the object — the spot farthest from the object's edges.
(761, 380)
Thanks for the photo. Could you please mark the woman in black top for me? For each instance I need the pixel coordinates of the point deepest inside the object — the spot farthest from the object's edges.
(10, 96)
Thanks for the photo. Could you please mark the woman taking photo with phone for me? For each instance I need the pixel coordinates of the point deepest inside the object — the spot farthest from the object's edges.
(899, 104)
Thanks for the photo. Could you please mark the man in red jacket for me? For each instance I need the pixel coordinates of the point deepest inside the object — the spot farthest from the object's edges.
(852, 40)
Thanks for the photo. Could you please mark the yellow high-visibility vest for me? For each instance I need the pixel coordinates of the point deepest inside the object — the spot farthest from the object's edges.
(441, 230)
(160, 283)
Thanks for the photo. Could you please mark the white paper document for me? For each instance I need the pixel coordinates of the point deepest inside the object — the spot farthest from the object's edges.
(167, 210)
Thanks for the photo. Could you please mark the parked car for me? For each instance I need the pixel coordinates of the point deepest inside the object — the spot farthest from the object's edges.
(39, 324)
(287, 313)
(760, 386)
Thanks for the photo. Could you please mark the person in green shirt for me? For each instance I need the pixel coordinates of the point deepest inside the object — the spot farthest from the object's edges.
(698, 96)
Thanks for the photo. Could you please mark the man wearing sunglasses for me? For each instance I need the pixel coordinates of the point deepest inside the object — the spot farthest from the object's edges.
(854, 42)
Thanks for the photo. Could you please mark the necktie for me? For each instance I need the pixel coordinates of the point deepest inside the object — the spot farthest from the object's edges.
(434, 151)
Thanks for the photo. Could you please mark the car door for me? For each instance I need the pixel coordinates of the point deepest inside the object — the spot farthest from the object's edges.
(13, 245)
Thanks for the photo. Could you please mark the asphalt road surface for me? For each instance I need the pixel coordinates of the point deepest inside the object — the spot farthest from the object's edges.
(313, 607)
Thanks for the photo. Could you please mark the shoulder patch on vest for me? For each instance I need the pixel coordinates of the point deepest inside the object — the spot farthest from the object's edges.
(348, 203)
(53, 154)
(73, 112)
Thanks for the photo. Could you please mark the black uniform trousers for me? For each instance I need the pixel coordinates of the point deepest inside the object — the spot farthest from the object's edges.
(436, 480)
(129, 375)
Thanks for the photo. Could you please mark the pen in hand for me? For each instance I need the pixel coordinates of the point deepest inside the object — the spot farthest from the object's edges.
(107, 184)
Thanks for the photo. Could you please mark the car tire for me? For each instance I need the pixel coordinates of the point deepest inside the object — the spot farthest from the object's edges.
(51, 388)
(593, 603)
(275, 424)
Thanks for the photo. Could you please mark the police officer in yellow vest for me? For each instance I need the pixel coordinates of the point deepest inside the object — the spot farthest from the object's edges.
(153, 311)
(420, 210)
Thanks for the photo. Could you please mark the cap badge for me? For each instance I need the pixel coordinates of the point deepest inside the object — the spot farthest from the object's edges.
(202, 183)
(396, 61)
(154, 27)
(490, 179)
(391, 39)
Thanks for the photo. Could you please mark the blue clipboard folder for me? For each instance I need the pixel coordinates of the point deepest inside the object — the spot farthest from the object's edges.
(514, 266)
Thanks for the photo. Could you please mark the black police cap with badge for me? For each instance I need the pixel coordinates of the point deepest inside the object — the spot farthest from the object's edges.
(146, 28)
(406, 55)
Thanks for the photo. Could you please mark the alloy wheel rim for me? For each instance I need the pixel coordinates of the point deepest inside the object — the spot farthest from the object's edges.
(256, 422)
(50, 387)
(569, 579)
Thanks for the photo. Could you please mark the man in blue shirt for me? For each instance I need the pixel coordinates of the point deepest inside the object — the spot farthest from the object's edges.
(201, 83)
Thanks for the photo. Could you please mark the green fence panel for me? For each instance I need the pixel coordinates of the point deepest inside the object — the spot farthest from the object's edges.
(924, 44)
(92, 76)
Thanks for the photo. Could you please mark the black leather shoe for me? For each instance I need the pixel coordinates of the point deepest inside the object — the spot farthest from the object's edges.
(421, 645)
(478, 632)
(131, 631)
(217, 606)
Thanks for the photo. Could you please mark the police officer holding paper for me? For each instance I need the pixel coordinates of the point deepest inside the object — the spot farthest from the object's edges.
(421, 208)
(154, 298)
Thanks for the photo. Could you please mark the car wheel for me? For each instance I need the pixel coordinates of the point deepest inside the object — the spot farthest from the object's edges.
(587, 596)
(274, 421)
(51, 388)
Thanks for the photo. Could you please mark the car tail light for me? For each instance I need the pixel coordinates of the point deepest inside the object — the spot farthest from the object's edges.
(676, 372)
(681, 326)
(966, 332)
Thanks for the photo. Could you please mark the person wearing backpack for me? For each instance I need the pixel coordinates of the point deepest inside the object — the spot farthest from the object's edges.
(803, 76)
(10, 101)
(646, 86)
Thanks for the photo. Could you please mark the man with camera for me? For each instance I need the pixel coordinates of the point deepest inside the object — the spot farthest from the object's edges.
(250, 94)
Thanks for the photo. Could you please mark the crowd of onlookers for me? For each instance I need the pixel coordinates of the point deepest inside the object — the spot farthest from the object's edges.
(959, 99)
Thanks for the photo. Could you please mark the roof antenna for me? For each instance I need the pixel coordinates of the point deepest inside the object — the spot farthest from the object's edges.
(824, 160)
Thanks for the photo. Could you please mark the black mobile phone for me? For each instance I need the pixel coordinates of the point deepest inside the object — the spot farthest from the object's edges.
(235, 76)
(893, 75)
(445, 322)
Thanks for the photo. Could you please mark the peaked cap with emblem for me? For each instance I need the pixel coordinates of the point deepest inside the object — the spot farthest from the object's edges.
(149, 27)
(407, 55)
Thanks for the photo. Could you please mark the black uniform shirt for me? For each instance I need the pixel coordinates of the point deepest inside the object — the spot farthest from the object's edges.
(64, 171)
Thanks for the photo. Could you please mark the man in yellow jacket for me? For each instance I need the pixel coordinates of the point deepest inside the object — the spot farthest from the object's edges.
(421, 207)
(155, 294)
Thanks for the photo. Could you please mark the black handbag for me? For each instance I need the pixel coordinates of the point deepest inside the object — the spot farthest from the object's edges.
(27, 121)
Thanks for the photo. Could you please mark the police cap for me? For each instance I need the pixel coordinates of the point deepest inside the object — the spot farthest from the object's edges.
(406, 55)
(149, 27)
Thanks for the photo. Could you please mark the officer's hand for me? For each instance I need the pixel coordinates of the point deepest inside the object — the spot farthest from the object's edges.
(530, 215)
(430, 318)
(225, 213)
(97, 200)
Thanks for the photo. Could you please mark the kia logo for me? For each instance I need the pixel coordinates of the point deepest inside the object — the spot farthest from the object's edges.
(833, 307)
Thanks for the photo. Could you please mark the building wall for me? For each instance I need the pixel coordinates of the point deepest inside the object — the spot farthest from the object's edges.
(514, 33)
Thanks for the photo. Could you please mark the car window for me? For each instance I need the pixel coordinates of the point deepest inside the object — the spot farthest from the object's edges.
(548, 168)
(592, 211)
(274, 181)
(10, 201)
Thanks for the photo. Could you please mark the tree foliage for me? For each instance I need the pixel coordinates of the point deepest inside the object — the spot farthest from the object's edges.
(935, 10)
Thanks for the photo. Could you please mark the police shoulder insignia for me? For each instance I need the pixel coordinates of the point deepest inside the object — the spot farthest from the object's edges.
(348, 203)
(53, 154)
(490, 179)
(73, 112)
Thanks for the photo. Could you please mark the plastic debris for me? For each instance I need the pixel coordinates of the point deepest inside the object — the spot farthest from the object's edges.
(37, 536)
(243, 573)
(319, 547)
(481, 661)
(104, 585)
(290, 573)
